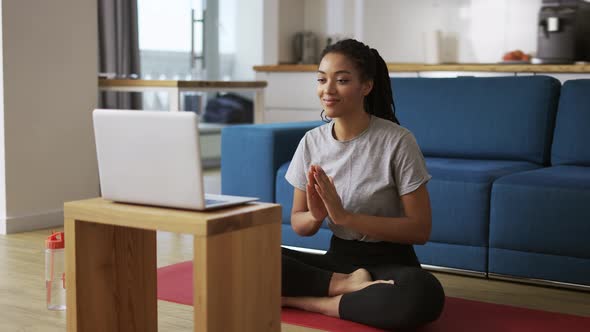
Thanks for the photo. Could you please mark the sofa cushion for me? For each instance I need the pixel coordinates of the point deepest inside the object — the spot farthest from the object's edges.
(544, 211)
(571, 138)
(460, 197)
(509, 118)
(542, 215)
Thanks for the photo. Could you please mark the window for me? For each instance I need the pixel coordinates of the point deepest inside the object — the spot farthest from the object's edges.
(165, 42)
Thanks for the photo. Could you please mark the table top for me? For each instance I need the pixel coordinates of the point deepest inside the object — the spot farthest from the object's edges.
(107, 82)
(99, 210)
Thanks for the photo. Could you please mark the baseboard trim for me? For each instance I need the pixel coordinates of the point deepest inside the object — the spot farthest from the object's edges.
(540, 282)
(28, 223)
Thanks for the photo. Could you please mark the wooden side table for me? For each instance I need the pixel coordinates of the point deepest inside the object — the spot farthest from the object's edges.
(111, 266)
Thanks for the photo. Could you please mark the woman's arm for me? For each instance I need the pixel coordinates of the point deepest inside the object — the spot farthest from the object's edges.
(414, 228)
(302, 221)
(309, 210)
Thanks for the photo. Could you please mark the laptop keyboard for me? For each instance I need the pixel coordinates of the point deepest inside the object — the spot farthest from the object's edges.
(213, 201)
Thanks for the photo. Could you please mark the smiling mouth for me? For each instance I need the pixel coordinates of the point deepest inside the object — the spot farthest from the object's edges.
(330, 101)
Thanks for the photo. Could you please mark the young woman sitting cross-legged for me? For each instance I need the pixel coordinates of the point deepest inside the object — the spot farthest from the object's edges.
(365, 176)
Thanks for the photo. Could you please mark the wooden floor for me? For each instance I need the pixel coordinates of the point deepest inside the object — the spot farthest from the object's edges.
(22, 302)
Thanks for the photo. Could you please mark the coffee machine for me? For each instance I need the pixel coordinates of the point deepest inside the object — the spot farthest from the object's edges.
(563, 31)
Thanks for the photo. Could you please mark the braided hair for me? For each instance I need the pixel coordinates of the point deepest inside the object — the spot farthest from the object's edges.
(379, 101)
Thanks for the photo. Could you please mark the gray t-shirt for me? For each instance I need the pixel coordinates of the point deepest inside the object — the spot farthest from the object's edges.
(370, 171)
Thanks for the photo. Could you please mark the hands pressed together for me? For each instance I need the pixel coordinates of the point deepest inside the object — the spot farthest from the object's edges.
(322, 197)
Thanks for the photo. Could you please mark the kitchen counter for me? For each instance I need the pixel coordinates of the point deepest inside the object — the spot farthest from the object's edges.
(416, 67)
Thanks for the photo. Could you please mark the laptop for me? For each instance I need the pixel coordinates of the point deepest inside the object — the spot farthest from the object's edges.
(153, 158)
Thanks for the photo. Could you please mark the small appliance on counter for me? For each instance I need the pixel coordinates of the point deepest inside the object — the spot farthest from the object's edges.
(563, 32)
(305, 47)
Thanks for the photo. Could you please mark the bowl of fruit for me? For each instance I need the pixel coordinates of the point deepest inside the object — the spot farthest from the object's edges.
(516, 56)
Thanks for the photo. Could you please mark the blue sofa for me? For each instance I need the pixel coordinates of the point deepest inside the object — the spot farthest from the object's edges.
(510, 162)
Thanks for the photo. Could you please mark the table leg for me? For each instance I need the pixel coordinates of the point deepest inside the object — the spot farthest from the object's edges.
(110, 278)
(237, 280)
(174, 100)
(259, 106)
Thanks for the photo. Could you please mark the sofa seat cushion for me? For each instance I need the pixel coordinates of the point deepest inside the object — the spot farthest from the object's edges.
(460, 197)
(540, 224)
(543, 211)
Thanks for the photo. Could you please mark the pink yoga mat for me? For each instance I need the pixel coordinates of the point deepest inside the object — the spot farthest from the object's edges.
(175, 285)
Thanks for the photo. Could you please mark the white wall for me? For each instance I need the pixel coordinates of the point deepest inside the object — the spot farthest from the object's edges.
(338, 19)
(249, 39)
(49, 88)
(472, 31)
(270, 22)
(290, 12)
(2, 169)
(257, 36)
(315, 17)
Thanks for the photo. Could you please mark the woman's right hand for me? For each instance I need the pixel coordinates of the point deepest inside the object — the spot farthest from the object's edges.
(315, 205)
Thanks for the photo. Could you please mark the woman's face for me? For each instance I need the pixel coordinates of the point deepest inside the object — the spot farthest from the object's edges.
(340, 87)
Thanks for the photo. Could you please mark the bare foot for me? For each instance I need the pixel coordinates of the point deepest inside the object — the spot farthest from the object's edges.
(357, 280)
(323, 305)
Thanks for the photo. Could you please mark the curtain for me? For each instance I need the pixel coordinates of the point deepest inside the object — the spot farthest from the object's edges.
(118, 48)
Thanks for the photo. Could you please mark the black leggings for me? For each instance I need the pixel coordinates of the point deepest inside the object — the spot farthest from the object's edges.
(415, 298)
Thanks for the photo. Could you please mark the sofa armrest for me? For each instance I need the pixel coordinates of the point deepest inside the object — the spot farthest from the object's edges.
(252, 154)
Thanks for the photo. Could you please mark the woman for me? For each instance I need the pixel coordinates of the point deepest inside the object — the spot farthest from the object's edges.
(366, 176)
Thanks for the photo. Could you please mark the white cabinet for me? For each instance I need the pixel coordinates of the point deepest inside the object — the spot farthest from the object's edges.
(291, 90)
(290, 96)
(273, 115)
(403, 74)
(444, 74)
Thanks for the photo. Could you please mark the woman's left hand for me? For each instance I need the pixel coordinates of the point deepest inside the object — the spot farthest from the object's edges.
(327, 191)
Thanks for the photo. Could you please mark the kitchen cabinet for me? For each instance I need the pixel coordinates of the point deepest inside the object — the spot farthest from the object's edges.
(444, 74)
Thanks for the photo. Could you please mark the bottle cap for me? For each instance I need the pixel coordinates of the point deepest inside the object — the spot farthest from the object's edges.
(55, 241)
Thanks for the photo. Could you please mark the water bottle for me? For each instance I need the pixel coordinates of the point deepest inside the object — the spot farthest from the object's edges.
(55, 272)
